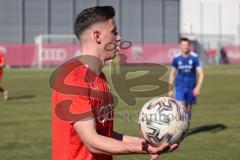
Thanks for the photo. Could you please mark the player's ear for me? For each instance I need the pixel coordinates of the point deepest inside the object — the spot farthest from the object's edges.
(97, 37)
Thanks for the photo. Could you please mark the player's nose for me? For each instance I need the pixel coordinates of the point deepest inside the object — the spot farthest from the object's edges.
(119, 38)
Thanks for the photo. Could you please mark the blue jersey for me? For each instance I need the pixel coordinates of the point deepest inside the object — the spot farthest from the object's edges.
(186, 70)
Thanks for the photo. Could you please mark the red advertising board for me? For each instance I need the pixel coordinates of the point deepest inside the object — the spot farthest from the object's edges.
(233, 54)
(56, 54)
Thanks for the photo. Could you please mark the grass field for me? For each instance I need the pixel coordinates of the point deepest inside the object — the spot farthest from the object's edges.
(25, 119)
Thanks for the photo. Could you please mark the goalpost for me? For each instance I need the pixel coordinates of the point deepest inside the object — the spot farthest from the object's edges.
(54, 49)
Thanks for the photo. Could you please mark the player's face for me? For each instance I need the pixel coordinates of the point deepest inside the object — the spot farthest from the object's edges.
(110, 36)
(184, 46)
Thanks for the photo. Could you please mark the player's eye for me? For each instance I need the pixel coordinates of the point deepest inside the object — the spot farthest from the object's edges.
(114, 32)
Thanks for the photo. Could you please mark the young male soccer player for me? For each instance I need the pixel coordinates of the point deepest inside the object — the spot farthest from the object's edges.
(5, 92)
(183, 75)
(92, 137)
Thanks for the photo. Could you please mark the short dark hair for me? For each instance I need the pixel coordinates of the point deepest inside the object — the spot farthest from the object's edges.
(91, 16)
(184, 39)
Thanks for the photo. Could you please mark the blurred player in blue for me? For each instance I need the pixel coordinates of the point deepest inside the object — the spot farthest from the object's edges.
(186, 75)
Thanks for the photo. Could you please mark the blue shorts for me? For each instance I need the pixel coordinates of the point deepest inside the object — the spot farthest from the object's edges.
(185, 95)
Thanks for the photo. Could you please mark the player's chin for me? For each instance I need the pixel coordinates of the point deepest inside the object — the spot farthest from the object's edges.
(114, 54)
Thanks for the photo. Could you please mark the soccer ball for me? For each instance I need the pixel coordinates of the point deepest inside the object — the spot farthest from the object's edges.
(163, 119)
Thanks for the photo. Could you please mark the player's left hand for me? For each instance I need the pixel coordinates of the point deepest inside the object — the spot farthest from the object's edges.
(196, 91)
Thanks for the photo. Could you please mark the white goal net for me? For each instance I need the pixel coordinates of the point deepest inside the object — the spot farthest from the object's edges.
(55, 49)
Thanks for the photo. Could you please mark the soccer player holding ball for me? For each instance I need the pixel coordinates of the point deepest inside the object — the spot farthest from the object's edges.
(183, 75)
(78, 133)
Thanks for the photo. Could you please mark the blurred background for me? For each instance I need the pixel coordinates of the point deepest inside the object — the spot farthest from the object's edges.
(29, 28)
(36, 36)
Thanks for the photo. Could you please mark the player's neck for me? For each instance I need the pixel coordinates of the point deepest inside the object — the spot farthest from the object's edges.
(92, 61)
(186, 54)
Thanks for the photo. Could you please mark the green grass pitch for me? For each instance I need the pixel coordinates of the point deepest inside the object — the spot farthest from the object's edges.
(25, 119)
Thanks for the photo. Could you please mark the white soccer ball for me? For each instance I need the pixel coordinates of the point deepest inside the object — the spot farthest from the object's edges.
(163, 119)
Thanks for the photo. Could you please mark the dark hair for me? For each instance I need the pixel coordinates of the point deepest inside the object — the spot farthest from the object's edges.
(184, 39)
(91, 16)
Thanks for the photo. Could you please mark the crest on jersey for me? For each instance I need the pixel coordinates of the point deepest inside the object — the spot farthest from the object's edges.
(179, 63)
(190, 61)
